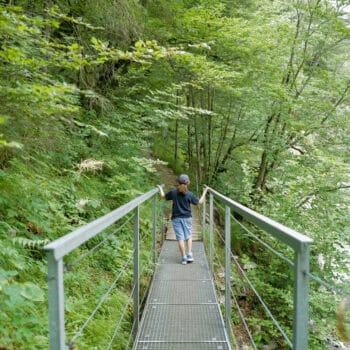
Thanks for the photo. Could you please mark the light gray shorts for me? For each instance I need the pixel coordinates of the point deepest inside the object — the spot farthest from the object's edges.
(182, 228)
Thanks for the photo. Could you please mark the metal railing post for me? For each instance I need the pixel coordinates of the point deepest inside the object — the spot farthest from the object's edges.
(228, 269)
(211, 232)
(56, 302)
(162, 204)
(154, 230)
(136, 268)
(203, 220)
(301, 298)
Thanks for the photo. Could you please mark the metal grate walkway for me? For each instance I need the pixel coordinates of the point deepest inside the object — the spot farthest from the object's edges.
(182, 311)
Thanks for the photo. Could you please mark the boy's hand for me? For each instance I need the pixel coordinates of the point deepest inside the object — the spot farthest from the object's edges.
(161, 191)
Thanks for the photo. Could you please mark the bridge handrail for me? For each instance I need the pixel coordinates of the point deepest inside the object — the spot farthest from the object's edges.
(262, 302)
(283, 233)
(64, 245)
(325, 284)
(57, 249)
(72, 264)
(267, 246)
(300, 265)
(297, 241)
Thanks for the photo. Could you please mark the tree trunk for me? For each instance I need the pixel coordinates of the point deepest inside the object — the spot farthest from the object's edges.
(262, 173)
(198, 153)
(261, 180)
(210, 132)
(189, 132)
(202, 126)
(219, 164)
(223, 133)
(176, 145)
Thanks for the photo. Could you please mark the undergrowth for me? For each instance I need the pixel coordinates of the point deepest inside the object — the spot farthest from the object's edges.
(41, 202)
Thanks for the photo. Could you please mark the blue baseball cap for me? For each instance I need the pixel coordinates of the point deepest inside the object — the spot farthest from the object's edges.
(183, 179)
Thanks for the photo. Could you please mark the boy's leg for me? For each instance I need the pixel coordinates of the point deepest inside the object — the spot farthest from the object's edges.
(181, 247)
(189, 250)
(178, 229)
(181, 232)
(189, 245)
(188, 237)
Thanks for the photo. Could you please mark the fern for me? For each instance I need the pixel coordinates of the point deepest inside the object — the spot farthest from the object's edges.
(29, 243)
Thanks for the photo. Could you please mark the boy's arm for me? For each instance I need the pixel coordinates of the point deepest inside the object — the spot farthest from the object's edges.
(202, 199)
(161, 192)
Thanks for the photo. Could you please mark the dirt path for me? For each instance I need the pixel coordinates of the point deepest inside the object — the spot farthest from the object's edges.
(166, 176)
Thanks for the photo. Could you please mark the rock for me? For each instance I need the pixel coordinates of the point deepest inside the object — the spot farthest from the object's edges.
(271, 346)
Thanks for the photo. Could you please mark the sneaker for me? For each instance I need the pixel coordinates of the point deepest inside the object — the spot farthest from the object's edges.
(184, 261)
(190, 258)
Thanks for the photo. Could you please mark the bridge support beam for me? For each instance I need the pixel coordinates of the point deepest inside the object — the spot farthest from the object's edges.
(301, 298)
(136, 269)
(154, 230)
(211, 233)
(204, 214)
(56, 302)
(228, 269)
(162, 233)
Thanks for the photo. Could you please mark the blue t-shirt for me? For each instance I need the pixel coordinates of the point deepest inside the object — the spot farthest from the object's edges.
(181, 203)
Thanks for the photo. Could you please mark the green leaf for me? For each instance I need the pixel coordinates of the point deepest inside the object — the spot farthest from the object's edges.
(6, 275)
(32, 292)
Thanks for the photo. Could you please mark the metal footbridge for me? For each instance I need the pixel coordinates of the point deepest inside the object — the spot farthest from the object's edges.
(183, 307)
(182, 311)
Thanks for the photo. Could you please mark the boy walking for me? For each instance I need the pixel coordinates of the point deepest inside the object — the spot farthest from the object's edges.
(181, 216)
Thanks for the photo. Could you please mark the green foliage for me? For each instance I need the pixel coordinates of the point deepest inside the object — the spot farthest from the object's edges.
(77, 163)
(249, 97)
(274, 76)
(21, 300)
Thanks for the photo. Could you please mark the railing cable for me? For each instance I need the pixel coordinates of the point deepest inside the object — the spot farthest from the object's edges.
(219, 262)
(241, 315)
(290, 262)
(103, 299)
(327, 285)
(116, 329)
(125, 308)
(259, 297)
(130, 335)
(262, 302)
(91, 250)
(141, 303)
(146, 290)
(274, 251)
(239, 309)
